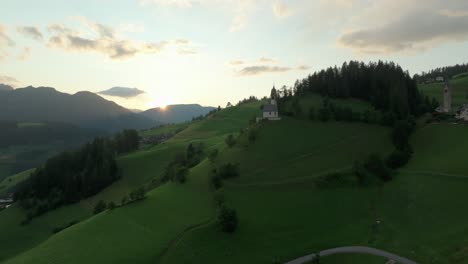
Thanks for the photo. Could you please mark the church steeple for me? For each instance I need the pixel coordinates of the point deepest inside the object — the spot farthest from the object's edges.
(447, 97)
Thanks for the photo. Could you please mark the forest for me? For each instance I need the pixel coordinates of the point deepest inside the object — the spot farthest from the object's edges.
(72, 176)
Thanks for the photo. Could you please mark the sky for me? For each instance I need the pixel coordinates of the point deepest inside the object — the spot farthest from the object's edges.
(159, 52)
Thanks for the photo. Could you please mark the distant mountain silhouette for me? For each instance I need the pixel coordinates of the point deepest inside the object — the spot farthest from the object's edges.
(5, 87)
(176, 113)
(85, 109)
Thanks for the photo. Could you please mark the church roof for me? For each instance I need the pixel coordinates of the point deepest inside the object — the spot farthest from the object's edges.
(270, 108)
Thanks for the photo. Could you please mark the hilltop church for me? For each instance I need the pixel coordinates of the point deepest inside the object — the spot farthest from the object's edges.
(447, 106)
(270, 111)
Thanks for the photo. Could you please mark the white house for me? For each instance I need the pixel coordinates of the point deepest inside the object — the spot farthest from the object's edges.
(439, 79)
(462, 113)
(270, 111)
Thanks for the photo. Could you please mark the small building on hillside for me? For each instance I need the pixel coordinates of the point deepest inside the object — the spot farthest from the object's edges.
(270, 111)
(439, 79)
(462, 113)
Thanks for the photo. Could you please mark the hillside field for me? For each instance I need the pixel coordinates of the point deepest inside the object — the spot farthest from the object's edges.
(285, 209)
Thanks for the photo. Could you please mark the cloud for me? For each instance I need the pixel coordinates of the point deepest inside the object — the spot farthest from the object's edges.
(5, 42)
(100, 38)
(401, 26)
(8, 80)
(303, 67)
(280, 10)
(266, 60)
(413, 32)
(25, 54)
(123, 92)
(186, 51)
(236, 62)
(179, 3)
(256, 70)
(30, 32)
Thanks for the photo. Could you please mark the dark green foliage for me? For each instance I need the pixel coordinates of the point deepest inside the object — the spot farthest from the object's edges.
(127, 141)
(324, 114)
(230, 141)
(216, 181)
(59, 229)
(138, 194)
(228, 171)
(111, 205)
(253, 134)
(125, 200)
(377, 167)
(178, 169)
(388, 119)
(219, 199)
(69, 177)
(331, 180)
(213, 155)
(401, 133)
(312, 115)
(446, 72)
(399, 158)
(297, 107)
(227, 219)
(363, 176)
(101, 206)
(385, 85)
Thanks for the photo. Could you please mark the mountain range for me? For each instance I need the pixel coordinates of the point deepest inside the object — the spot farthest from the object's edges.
(84, 109)
(176, 113)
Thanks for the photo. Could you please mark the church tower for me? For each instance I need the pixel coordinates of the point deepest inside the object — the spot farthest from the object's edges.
(447, 97)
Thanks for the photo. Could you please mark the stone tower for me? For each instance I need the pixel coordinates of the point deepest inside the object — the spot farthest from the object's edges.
(447, 97)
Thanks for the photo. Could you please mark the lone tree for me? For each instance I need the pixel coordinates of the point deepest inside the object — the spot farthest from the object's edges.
(227, 219)
(100, 207)
(230, 141)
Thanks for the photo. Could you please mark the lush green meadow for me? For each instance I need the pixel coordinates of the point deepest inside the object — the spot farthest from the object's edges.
(169, 208)
(459, 90)
(7, 184)
(283, 212)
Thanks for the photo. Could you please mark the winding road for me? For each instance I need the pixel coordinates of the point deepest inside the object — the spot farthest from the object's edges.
(356, 249)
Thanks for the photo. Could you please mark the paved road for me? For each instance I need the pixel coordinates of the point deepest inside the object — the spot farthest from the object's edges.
(361, 250)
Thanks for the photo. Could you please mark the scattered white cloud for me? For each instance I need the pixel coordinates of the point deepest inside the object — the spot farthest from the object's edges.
(303, 67)
(123, 92)
(24, 54)
(8, 80)
(31, 32)
(5, 42)
(267, 60)
(280, 10)
(260, 69)
(236, 62)
(405, 26)
(96, 37)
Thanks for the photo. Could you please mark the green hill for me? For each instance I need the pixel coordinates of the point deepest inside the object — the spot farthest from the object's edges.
(295, 195)
(459, 86)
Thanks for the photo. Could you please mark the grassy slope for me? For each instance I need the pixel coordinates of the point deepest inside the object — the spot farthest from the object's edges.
(459, 91)
(422, 213)
(143, 229)
(164, 129)
(9, 182)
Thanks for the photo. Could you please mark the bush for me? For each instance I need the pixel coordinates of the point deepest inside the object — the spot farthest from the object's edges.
(213, 155)
(230, 141)
(227, 219)
(111, 205)
(216, 181)
(377, 167)
(312, 113)
(228, 171)
(100, 207)
(252, 135)
(399, 158)
(138, 194)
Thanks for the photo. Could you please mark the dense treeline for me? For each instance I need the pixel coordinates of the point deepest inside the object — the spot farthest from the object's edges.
(71, 176)
(446, 72)
(384, 84)
(179, 168)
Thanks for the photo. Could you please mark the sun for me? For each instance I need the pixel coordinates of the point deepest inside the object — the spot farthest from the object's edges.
(160, 103)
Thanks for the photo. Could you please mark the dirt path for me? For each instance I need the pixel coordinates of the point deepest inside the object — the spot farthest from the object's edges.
(351, 250)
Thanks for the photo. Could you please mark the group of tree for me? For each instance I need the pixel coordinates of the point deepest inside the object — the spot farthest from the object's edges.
(227, 219)
(375, 167)
(384, 84)
(72, 176)
(224, 172)
(179, 168)
(251, 99)
(446, 72)
(134, 196)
